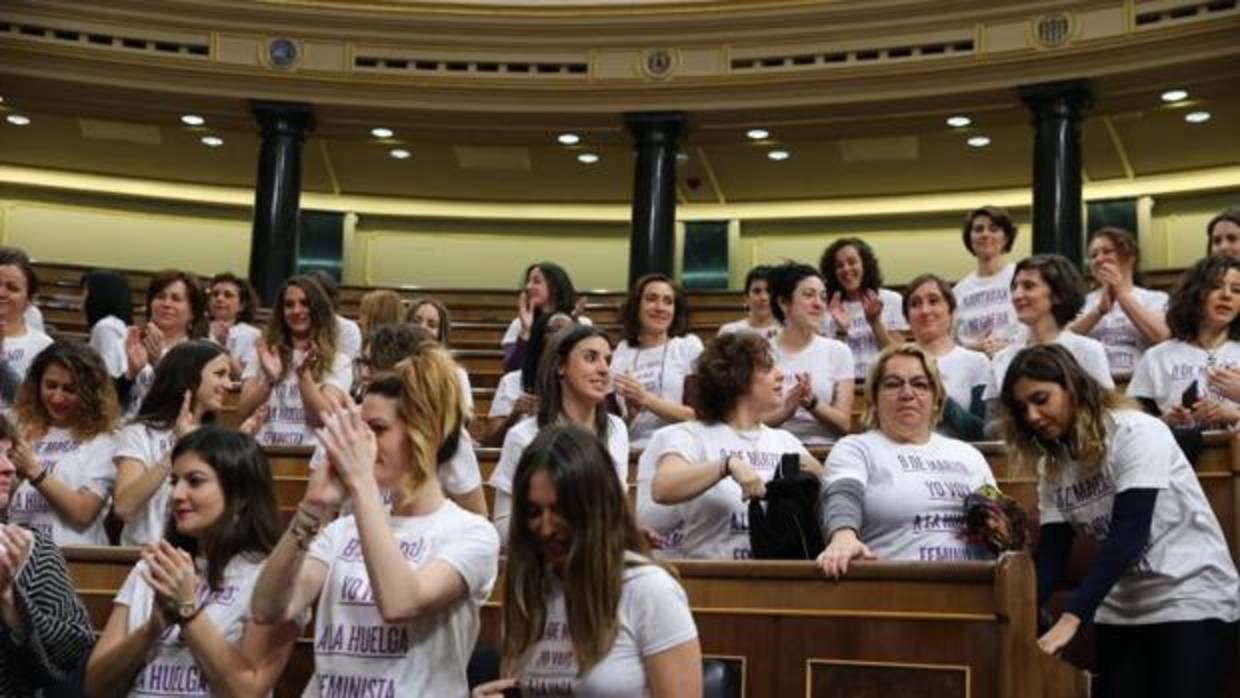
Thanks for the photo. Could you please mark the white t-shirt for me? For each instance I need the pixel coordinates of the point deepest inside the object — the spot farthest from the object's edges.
(458, 475)
(467, 392)
(743, 325)
(286, 423)
(1167, 369)
(34, 318)
(653, 616)
(1088, 353)
(19, 353)
(148, 446)
(827, 361)
(984, 307)
(350, 337)
(506, 394)
(1185, 571)
(137, 392)
(1123, 342)
(914, 493)
(513, 333)
(240, 344)
(661, 370)
(356, 653)
(108, 338)
(170, 668)
(715, 524)
(78, 465)
(860, 335)
(522, 434)
(961, 370)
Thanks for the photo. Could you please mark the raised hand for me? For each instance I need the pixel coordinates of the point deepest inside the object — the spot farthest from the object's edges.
(153, 341)
(254, 423)
(580, 306)
(309, 363)
(185, 417)
(797, 393)
(526, 404)
(23, 459)
(871, 305)
(839, 316)
(350, 445)
(269, 362)
(219, 331)
(634, 393)
(525, 311)
(1226, 382)
(171, 575)
(135, 352)
(1106, 299)
(15, 545)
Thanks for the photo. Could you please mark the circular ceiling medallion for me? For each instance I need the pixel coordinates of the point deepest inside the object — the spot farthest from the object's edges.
(1053, 30)
(659, 63)
(282, 53)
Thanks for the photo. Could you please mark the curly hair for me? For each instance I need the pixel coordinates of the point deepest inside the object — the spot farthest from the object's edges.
(782, 282)
(1186, 310)
(245, 293)
(197, 326)
(97, 410)
(725, 373)
(324, 334)
(1000, 217)
(1086, 440)
(1064, 280)
(871, 276)
(630, 310)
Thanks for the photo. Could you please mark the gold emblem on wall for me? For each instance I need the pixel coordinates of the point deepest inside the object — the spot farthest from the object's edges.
(659, 63)
(1052, 30)
(281, 53)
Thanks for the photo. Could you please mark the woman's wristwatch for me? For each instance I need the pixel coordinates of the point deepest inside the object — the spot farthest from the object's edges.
(186, 612)
(811, 403)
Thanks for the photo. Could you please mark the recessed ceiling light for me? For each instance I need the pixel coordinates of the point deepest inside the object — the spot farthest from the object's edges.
(958, 121)
(400, 153)
(979, 141)
(213, 141)
(193, 120)
(17, 119)
(568, 139)
(758, 134)
(779, 155)
(1, 99)
(587, 158)
(381, 132)
(682, 157)
(1197, 117)
(1174, 96)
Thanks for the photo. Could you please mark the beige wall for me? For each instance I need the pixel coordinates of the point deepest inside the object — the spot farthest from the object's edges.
(150, 234)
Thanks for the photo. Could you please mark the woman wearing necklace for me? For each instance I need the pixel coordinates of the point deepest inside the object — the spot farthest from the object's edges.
(656, 355)
(862, 313)
(1173, 379)
(694, 478)
(817, 372)
(930, 306)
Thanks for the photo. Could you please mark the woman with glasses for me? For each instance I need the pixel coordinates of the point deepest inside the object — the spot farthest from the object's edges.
(897, 491)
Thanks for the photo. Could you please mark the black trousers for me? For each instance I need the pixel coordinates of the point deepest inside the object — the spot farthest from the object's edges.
(1192, 659)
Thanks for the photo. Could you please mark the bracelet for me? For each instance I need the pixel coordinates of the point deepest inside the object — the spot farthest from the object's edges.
(304, 527)
(38, 479)
(811, 403)
(725, 471)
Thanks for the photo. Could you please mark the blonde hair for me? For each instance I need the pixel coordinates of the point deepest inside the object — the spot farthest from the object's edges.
(428, 404)
(380, 308)
(870, 418)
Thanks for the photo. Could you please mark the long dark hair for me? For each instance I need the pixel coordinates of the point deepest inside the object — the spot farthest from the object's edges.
(550, 379)
(249, 523)
(563, 295)
(1184, 312)
(324, 334)
(544, 326)
(179, 370)
(107, 293)
(592, 501)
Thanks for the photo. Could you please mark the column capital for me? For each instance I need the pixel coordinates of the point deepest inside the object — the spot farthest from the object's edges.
(655, 128)
(292, 119)
(1064, 98)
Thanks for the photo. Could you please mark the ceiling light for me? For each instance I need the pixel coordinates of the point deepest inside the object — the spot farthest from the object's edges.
(682, 157)
(193, 120)
(568, 139)
(1174, 96)
(587, 158)
(17, 119)
(212, 141)
(381, 132)
(1, 99)
(400, 153)
(1197, 117)
(758, 134)
(958, 121)
(979, 141)
(779, 155)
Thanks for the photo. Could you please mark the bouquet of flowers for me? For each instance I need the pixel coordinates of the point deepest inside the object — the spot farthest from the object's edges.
(994, 520)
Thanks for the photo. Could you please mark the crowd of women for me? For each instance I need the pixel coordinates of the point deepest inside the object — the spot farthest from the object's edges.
(390, 548)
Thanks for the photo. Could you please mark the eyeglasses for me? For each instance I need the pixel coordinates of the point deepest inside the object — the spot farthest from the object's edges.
(894, 384)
